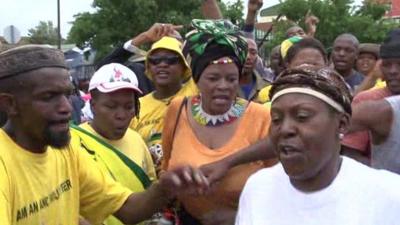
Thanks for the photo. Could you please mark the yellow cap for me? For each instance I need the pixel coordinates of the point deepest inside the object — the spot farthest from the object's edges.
(171, 44)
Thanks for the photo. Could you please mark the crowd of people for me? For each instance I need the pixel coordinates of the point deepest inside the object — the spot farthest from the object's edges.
(199, 131)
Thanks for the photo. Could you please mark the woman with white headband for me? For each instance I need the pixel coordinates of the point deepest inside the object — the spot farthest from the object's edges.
(314, 184)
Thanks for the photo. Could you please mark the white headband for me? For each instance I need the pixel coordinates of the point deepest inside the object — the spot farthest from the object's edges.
(311, 92)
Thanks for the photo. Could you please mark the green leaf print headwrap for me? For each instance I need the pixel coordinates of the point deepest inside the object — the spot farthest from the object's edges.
(211, 40)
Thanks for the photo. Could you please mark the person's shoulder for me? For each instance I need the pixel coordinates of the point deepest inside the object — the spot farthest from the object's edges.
(394, 101)
(4, 141)
(132, 134)
(386, 185)
(265, 183)
(358, 74)
(147, 98)
(257, 108)
(189, 88)
(263, 95)
(372, 94)
(8, 147)
(76, 131)
(266, 89)
(148, 103)
(84, 125)
(270, 176)
(376, 180)
(178, 100)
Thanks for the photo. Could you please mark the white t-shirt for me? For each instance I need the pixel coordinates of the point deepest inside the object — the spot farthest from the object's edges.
(359, 195)
(386, 155)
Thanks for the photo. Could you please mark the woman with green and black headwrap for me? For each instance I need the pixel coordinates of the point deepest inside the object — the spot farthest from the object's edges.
(216, 123)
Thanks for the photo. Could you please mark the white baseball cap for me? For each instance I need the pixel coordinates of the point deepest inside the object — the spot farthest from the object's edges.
(113, 77)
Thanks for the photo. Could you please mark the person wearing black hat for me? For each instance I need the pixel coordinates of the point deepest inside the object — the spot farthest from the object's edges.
(390, 54)
(43, 171)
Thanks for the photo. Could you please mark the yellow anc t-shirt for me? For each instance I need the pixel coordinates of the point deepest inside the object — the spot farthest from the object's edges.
(151, 118)
(133, 146)
(130, 145)
(55, 187)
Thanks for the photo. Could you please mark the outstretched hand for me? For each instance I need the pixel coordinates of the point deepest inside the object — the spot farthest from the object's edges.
(215, 171)
(183, 180)
(159, 30)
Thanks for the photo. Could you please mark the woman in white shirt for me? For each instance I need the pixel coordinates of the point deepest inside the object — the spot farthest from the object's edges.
(314, 184)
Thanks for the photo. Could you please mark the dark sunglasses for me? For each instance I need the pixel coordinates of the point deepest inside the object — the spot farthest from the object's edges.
(170, 60)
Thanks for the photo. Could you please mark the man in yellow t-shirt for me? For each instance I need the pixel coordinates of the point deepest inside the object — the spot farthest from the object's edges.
(118, 150)
(168, 69)
(47, 179)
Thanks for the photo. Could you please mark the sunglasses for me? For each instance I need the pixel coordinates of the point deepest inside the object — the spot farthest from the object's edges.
(170, 60)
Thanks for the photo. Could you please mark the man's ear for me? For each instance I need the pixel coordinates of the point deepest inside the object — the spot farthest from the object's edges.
(8, 104)
(344, 123)
(92, 103)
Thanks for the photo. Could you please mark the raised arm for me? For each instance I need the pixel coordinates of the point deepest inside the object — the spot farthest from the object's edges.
(375, 116)
(311, 22)
(122, 53)
(155, 33)
(253, 6)
(211, 10)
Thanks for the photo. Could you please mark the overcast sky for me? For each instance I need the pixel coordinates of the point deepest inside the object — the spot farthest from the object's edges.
(26, 14)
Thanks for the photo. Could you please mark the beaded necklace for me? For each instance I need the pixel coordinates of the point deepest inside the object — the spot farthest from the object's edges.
(237, 109)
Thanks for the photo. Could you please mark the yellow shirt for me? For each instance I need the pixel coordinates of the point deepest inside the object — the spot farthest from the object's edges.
(379, 84)
(133, 146)
(260, 91)
(55, 187)
(151, 118)
(263, 95)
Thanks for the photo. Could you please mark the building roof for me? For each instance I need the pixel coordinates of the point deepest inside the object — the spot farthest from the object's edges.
(270, 11)
(263, 26)
(395, 9)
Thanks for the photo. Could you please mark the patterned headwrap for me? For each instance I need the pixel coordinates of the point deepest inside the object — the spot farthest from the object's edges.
(211, 40)
(323, 83)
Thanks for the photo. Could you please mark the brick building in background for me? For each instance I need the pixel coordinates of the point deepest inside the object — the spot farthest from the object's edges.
(394, 8)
